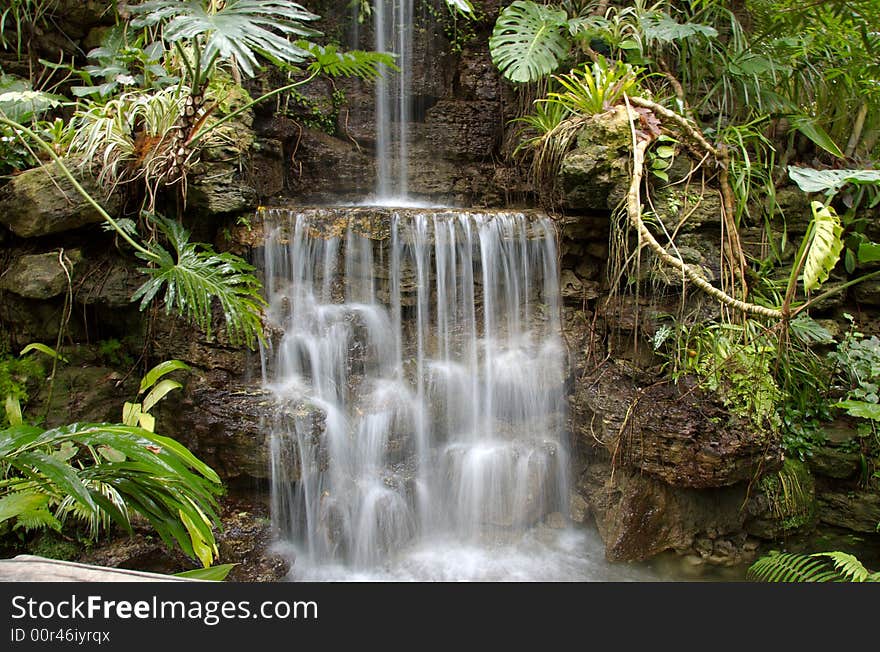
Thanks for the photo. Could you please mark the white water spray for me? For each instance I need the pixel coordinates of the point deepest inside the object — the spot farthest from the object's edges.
(429, 344)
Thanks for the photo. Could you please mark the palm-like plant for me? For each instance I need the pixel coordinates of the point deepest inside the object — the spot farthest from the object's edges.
(239, 30)
(594, 88)
(103, 471)
(206, 32)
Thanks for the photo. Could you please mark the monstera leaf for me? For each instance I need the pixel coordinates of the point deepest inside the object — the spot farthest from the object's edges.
(239, 28)
(528, 41)
(825, 248)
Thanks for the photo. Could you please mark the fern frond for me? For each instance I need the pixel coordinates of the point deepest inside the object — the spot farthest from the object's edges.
(819, 567)
(330, 61)
(847, 564)
(194, 276)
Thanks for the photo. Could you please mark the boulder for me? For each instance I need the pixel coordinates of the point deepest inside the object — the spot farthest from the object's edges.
(41, 276)
(639, 516)
(857, 510)
(832, 462)
(679, 434)
(595, 175)
(41, 201)
(220, 188)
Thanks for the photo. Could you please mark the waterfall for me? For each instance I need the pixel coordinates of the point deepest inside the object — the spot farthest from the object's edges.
(419, 370)
(393, 27)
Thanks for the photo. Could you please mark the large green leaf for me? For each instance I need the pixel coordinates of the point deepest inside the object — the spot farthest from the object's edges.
(529, 41)
(239, 28)
(825, 246)
(159, 392)
(160, 370)
(195, 276)
(831, 181)
(861, 409)
(810, 128)
(216, 573)
(661, 27)
(51, 472)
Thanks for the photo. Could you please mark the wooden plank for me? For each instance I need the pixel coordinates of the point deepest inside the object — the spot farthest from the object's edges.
(30, 568)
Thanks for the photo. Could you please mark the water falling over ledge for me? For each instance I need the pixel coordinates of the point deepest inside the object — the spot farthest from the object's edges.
(429, 343)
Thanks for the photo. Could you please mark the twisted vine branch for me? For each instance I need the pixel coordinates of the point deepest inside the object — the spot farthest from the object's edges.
(634, 212)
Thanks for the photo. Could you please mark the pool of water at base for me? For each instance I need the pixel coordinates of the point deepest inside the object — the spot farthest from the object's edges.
(542, 554)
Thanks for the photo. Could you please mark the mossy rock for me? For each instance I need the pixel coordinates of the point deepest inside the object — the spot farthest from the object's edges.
(684, 209)
(784, 502)
(41, 201)
(595, 175)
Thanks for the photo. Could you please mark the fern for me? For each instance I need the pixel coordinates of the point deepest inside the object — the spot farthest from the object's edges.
(825, 246)
(354, 63)
(819, 567)
(194, 276)
(528, 41)
(791, 567)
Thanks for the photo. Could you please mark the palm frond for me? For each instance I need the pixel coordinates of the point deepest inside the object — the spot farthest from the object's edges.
(152, 475)
(194, 276)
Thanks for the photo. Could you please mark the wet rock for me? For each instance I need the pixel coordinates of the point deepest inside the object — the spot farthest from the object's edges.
(224, 427)
(267, 167)
(677, 433)
(639, 516)
(41, 201)
(556, 521)
(461, 128)
(245, 539)
(323, 165)
(834, 463)
(478, 78)
(857, 510)
(41, 276)
(578, 508)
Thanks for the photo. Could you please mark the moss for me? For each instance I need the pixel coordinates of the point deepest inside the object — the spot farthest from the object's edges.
(791, 495)
(51, 545)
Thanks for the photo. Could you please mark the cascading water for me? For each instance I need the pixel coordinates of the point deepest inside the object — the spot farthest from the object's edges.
(419, 373)
(429, 344)
(392, 28)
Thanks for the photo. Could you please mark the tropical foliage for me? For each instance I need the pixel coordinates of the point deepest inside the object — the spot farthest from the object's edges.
(163, 86)
(819, 567)
(98, 474)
